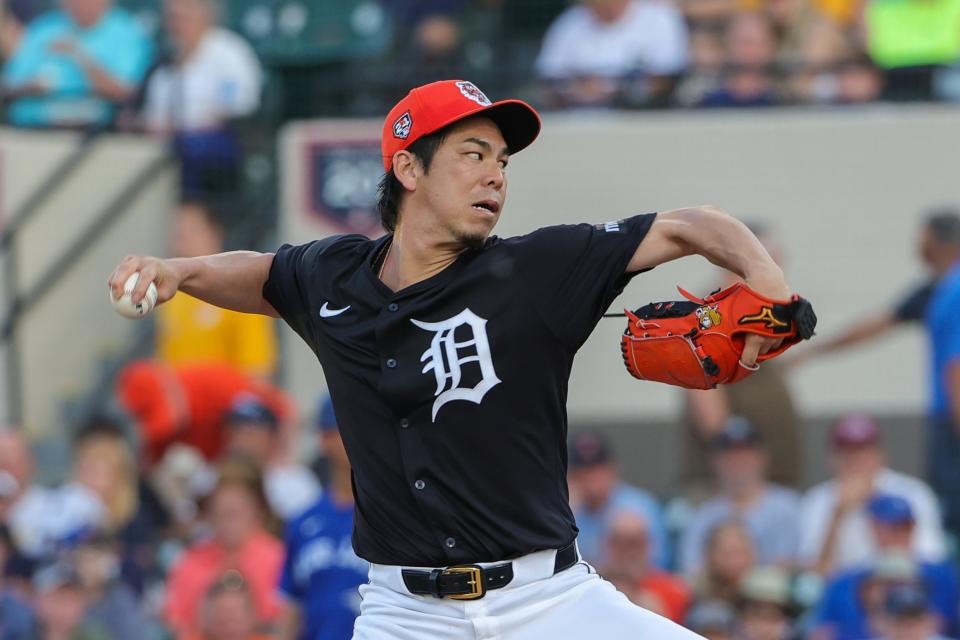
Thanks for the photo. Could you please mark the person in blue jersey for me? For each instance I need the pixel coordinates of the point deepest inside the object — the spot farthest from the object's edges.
(321, 573)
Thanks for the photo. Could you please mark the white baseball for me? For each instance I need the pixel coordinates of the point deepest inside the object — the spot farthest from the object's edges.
(124, 304)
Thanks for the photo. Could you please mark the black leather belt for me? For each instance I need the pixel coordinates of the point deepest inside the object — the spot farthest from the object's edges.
(470, 581)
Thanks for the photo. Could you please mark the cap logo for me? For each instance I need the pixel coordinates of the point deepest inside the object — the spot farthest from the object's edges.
(401, 128)
(471, 92)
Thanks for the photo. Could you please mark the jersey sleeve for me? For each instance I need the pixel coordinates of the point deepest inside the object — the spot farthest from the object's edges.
(287, 285)
(913, 306)
(573, 273)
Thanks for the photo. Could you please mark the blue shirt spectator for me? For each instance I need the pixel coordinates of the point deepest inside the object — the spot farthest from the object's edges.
(943, 443)
(842, 609)
(66, 70)
(852, 600)
(768, 511)
(598, 495)
(321, 574)
(944, 330)
(593, 525)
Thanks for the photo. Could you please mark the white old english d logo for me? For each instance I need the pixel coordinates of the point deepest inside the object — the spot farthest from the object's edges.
(444, 351)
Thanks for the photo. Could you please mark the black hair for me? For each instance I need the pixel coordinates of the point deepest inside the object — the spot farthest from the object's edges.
(944, 224)
(390, 190)
(98, 426)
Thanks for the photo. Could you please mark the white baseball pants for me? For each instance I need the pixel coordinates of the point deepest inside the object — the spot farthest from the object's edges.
(575, 604)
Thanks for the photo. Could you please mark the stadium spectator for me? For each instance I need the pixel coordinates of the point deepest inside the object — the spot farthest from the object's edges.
(321, 573)
(228, 611)
(62, 606)
(751, 48)
(768, 511)
(42, 520)
(730, 556)
(237, 512)
(910, 39)
(822, 62)
(104, 463)
(253, 430)
(908, 615)
(66, 72)
(186, 404)
(190, 331)
(938, 248)
(765, 605)
(112, 605)
(175, 478)
(603, 51)
(764, 399)
(834, 523)
(430, 32)
(214, 78)
(597, 494)
(628, 567)
(853, 80)
(943, 434)
(18, 620)
(852, 600)
(705, 68)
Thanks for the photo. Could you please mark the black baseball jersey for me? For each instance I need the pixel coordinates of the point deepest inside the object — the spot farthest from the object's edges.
(451, 394)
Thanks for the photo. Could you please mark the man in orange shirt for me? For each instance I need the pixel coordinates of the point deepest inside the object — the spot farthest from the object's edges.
(190, 331)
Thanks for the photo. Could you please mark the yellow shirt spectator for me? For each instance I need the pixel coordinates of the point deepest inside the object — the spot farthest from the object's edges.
(190, 330)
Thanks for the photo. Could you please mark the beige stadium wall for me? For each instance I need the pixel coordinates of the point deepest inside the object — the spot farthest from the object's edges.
(65, 337)
(845, 189)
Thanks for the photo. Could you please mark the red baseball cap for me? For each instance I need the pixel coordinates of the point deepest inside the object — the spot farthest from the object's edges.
(433, 106)
(855, 430)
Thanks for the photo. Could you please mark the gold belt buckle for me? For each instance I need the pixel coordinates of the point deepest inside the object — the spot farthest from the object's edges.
(475, 582)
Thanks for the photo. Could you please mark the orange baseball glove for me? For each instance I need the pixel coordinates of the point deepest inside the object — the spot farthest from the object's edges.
(697, 342)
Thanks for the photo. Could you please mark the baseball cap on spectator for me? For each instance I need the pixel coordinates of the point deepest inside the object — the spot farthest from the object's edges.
(768, 585)
(433, 106)
(894, 566)
(890, 509)
(55, 575)
(588, 449)
(736, 432)
(711, 616)
(326, 418)
(907, 601)
(855, 430)
(248, 409)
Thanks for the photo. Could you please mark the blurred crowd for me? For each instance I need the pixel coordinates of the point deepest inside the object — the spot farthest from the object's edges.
(218, 79)
(198, 507)
(183, 73)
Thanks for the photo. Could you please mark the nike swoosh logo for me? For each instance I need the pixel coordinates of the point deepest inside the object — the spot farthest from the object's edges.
(327, 312)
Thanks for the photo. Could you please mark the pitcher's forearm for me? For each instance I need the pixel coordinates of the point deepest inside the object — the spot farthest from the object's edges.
(232, 280)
